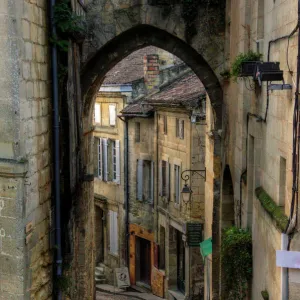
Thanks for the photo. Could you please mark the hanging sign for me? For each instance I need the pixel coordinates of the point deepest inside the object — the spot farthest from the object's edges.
(194, 234)
(288, 259)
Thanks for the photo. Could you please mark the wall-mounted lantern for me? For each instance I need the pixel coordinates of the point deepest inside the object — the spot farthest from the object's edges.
(186, 190)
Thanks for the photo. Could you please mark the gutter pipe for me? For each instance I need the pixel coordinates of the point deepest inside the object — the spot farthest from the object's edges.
(56, 154)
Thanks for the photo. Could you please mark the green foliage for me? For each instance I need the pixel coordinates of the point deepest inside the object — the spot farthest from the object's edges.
(276, 212)
(265, 295)
(243, 57)
(64, 284)
(226, 74)
(236, 256)
(68, 25)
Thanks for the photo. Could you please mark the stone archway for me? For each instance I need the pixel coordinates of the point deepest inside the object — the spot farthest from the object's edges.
(91, 77)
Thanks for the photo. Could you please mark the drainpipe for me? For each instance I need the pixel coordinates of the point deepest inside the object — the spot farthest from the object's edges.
(126, 172)
(56, 147)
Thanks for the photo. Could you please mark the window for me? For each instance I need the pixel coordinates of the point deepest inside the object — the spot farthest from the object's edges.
(176, 183)
(113, 232)
(180, 129)
(107, 159)
(97, 116)
(164, 178)
(112, 115)
(165, 125)
(145, 180)
(137, 132)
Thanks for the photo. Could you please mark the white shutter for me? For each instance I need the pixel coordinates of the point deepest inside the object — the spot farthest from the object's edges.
(176, 168)
(167, 180)
(113, 232)
(105, 166)
(112, 115)
(118, 173)
(95, 153)
(97, 113)
(139, 180)
(152, 182)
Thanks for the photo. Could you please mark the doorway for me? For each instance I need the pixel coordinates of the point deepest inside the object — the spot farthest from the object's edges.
(143, 261)
(180, 263)
(99, 234)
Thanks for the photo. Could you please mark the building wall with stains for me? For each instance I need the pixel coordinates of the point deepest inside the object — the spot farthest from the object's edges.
(25, 172)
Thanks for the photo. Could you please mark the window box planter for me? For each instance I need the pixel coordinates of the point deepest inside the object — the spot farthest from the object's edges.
(268, 71)
(247, 68)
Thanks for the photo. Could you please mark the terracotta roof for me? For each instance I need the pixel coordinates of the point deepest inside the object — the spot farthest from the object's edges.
(181, 91)
(138, 108)
(184, 91)
(131, 68)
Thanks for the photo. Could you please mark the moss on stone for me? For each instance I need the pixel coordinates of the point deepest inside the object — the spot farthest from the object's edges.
(265, 295)
(276, 213)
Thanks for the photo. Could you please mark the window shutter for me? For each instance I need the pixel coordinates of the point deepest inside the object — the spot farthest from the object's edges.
(112, 115)
(113, 232)
(139, 179)
(100, 159)
(105, 159)
(152, 182)
(95, 146)
(118, 173)
(176, 168)
(160, 179)
(177, 127)
(167, 180)
(97, 113)
(182, 129)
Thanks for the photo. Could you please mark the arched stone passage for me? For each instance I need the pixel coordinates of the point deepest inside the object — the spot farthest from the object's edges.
(93, 74)
(141, 36)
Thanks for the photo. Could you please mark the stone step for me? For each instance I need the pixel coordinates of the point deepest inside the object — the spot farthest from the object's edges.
(100, 277)
(100, 280)
(98, 273)
(99, 269)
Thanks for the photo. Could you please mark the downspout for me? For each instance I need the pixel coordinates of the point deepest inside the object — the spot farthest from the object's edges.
(56, 146)
(126, 206)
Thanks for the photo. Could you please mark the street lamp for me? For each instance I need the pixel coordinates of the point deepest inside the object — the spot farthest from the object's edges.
(186, 190)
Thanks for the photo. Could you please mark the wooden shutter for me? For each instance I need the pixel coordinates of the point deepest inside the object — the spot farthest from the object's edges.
(167, 192)
(177, 127)
(100, 159)
(113, 232)
(105, 160)
(181, 129)
(160, 179)
(139, 180)
(152, 182)
(112, 115)
(118, 163)
(95, 153)
(176, 168)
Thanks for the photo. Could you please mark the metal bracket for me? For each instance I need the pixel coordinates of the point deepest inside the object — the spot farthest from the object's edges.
(186, 177)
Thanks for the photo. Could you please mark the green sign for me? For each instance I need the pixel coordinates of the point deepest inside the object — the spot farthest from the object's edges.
(206, 247)
(194, 234)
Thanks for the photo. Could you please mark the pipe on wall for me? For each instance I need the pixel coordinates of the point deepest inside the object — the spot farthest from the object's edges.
(56, 151)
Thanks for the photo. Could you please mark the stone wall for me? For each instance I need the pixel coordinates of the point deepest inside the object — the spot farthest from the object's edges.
(25, 172)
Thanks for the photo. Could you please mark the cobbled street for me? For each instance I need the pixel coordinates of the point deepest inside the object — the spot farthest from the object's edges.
(106, 296)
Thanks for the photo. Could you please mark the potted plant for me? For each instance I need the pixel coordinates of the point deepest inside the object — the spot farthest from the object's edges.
(244, 64)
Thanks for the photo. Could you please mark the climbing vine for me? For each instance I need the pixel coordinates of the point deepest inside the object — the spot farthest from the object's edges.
(236, 256)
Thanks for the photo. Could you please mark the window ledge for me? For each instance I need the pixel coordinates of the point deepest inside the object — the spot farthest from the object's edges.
(275, 212)
(177, 205)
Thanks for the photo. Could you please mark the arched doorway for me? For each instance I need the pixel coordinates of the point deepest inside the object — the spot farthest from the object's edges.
(92, 76)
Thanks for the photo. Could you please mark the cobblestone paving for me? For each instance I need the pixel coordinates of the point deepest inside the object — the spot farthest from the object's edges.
(106, 296)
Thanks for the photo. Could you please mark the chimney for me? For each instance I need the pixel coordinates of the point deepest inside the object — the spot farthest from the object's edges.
(151, 72)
